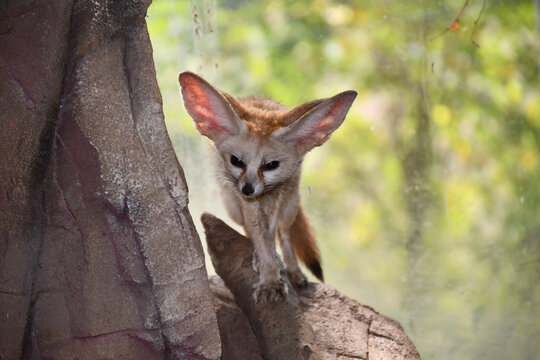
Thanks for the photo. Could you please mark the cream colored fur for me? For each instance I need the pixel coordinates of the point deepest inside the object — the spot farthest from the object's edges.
(259, 146)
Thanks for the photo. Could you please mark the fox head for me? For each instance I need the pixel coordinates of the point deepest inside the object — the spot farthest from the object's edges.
(260, 142)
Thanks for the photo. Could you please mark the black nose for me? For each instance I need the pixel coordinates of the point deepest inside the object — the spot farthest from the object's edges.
(247, 190)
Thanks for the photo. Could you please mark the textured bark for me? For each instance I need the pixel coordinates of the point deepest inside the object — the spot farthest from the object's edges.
(343, 329)
(280, 328)
(99, 257)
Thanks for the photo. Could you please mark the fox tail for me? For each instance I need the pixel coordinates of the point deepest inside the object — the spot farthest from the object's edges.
(305, 245)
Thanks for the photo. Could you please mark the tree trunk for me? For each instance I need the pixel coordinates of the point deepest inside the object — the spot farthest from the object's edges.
(99, 257)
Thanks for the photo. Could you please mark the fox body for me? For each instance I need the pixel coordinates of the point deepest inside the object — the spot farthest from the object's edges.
(258, 150)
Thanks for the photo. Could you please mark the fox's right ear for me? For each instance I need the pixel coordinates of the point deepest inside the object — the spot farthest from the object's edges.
(213, 115)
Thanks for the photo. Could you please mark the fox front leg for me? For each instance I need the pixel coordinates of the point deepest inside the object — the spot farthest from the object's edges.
(286, 217)
(270, 287)
(296, 276)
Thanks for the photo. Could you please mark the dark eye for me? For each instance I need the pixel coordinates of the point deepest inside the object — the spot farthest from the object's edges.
(272, 165)
(236, 162)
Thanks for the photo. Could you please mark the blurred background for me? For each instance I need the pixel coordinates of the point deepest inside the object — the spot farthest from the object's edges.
(426, 202)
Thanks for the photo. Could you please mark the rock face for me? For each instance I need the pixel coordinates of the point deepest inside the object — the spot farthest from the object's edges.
(281, 328)
(99, 257)
(312, 323)
(344, 329)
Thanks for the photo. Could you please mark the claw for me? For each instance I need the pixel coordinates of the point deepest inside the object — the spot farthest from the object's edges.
(270, 292)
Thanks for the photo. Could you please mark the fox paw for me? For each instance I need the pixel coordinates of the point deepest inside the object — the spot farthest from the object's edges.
(297, 279)
(270, 291)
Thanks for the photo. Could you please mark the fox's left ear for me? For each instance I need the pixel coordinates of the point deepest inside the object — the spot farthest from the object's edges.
(314, 127)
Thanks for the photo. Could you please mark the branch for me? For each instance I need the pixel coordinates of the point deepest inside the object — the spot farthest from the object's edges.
(476, 23)
(456, 20)
(453, 24)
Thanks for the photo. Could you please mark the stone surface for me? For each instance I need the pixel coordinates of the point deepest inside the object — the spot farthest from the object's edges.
(339, 327)
(281, 329)
(344, 329)
(33, 52)
(99, 257)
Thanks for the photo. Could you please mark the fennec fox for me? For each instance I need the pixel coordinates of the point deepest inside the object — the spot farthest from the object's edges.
(259, 146)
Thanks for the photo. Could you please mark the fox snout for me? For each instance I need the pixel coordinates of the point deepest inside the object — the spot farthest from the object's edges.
(249, 188)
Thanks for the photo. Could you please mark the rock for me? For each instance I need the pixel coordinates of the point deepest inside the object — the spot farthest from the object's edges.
(99, 257)
(344, 329)
(280, 327)
(333, 325)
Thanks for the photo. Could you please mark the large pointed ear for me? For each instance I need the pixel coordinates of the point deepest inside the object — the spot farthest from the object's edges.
(213, 115)
(314, 127)
(299, 111)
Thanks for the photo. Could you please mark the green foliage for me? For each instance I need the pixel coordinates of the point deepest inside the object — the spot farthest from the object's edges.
(426, 200)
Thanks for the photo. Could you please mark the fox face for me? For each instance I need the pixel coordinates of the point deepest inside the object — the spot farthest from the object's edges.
(256, 165)
(261, 143)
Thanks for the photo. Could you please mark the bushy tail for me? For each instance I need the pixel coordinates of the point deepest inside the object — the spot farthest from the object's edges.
(305, 245)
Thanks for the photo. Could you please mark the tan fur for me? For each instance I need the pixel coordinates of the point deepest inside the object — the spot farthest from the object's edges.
(263, 116)
(259, 146)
